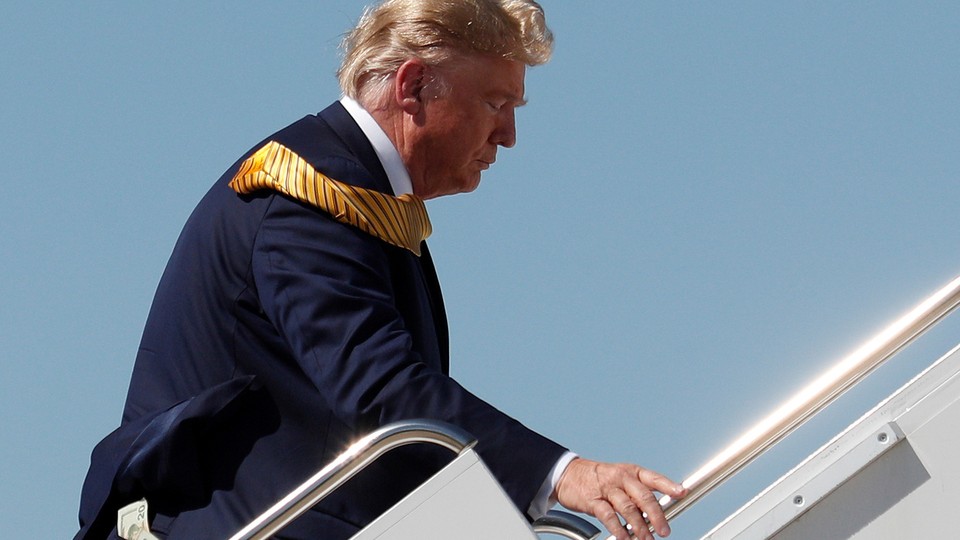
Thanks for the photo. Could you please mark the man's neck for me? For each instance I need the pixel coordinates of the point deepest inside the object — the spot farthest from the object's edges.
(386, 151)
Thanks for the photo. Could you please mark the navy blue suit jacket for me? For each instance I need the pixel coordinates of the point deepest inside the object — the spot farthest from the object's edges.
(276, 338)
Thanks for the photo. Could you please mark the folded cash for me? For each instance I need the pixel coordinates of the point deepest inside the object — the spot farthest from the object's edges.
(132, 522)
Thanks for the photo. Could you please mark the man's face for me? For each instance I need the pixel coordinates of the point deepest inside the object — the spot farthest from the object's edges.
(456, 135)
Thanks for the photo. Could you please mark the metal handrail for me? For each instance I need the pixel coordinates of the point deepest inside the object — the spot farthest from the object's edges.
(566, 525)
(815, 396)
(348, 464)
(365, 451)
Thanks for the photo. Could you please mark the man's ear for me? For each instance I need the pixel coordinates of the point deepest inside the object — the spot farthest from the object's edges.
(408, 85)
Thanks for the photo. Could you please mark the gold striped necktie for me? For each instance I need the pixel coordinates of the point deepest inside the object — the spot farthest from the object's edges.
(401, 221)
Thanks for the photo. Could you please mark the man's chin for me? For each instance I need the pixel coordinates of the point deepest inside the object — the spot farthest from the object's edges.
(470, 188)
(466, 185)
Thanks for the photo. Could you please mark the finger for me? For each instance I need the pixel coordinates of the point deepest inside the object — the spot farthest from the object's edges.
(642, 495)
(661, 483)
(627, 507)
(648, 506)
(608, 517)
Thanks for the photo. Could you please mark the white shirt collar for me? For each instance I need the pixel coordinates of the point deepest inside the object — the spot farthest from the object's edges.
(382, 145)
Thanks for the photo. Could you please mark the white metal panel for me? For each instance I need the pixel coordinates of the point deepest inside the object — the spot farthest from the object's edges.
(929, 510)
(462, 501)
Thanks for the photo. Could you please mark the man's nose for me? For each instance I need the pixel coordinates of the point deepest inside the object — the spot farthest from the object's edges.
(506, 132)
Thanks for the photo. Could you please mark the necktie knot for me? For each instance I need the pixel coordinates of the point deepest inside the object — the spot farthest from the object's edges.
(401, 221)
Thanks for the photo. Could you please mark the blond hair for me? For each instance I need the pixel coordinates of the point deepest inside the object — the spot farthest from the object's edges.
(435, 31)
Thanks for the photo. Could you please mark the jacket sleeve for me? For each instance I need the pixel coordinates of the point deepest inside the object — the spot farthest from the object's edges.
(329, 291)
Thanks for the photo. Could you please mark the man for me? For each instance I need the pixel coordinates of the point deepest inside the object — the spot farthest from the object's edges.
(300, 308)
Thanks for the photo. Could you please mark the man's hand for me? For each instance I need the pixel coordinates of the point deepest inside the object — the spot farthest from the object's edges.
(604, 490)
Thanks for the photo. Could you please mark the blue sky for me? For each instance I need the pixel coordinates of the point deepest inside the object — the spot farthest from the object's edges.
(708, 204)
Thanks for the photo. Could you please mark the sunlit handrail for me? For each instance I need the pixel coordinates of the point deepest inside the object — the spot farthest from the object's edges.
(349, 463)
(815, 396)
